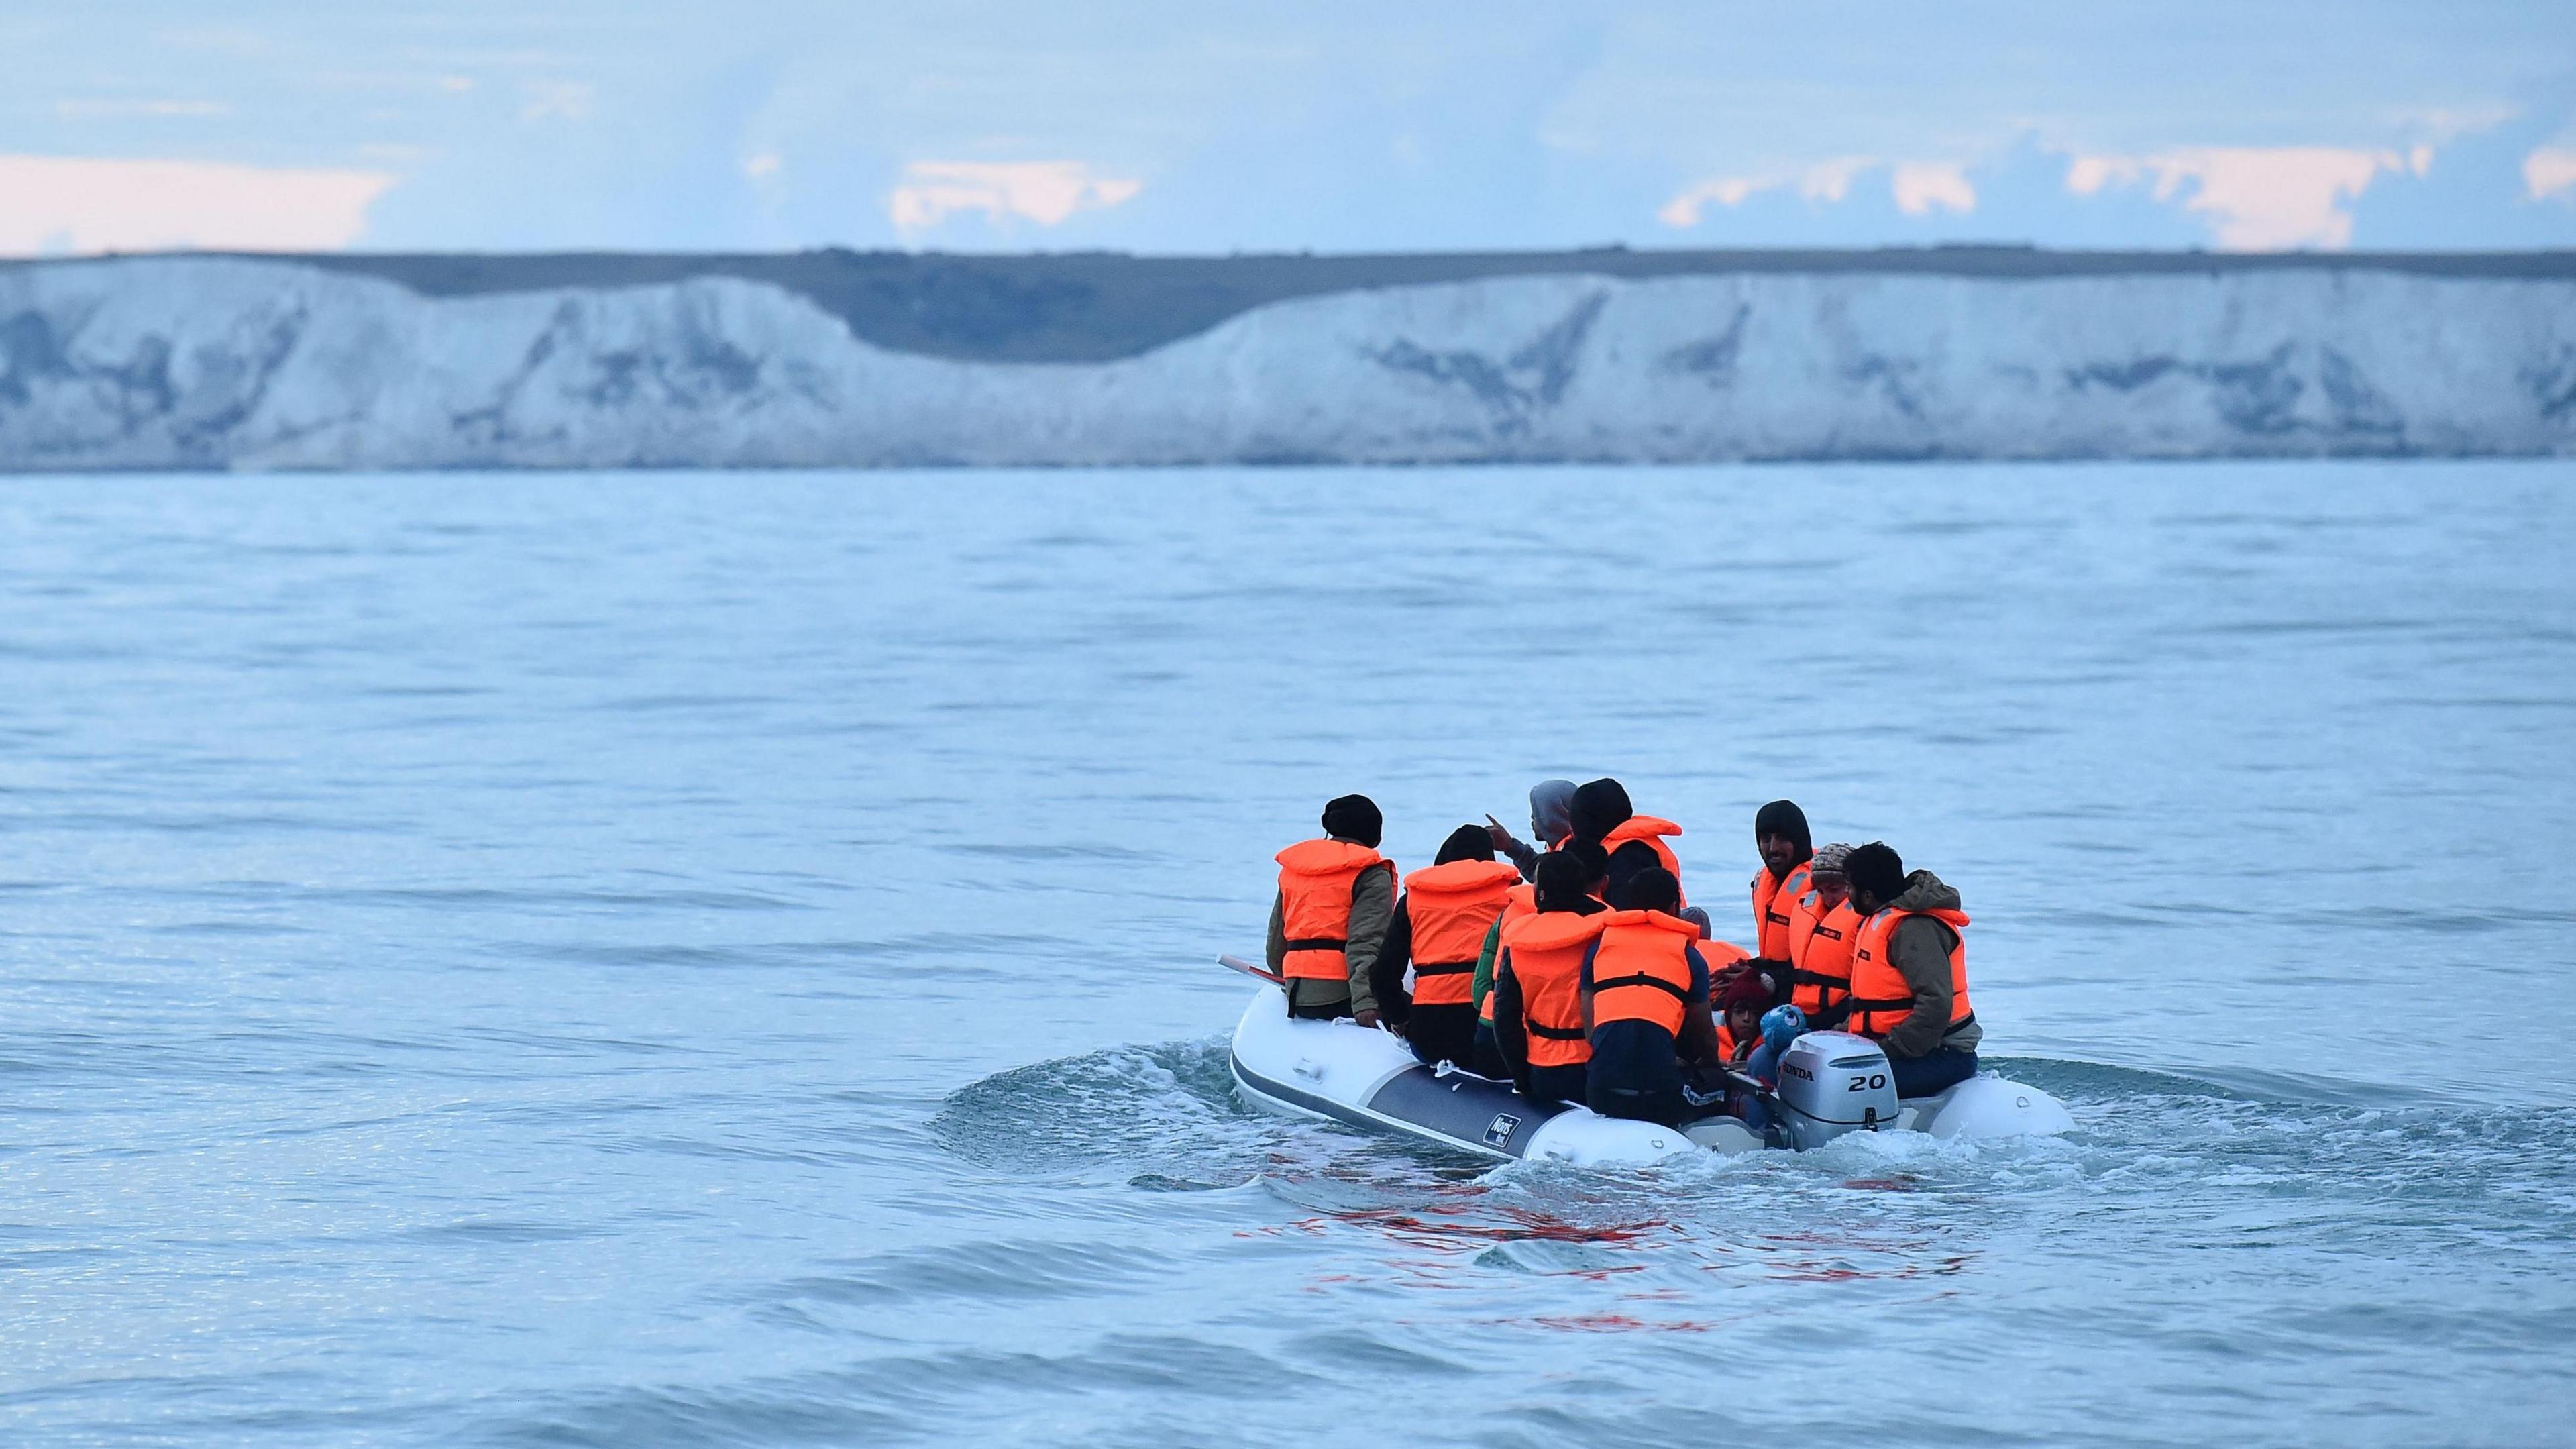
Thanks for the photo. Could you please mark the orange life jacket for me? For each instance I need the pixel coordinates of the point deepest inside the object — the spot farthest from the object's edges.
(1775, 910)
(1641, 969)
(1820, 953)
(1879, 996)
(1316, 882)
(1652, 831)
(1545, 952)
(1451, 907)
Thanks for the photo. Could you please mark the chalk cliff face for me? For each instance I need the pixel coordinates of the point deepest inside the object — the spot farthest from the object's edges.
(174, 362)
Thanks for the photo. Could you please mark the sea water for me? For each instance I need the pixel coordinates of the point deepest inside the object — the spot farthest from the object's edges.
(654, 959)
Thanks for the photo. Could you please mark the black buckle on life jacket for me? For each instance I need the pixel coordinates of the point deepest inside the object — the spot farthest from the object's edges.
(1641, 979)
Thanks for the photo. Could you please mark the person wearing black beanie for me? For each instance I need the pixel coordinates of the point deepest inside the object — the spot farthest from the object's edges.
(1354, 817)
(1446, 911)
(1600, 806)
(1909, 982)
(1780, 834)
(1330, 918)
(1634, 842)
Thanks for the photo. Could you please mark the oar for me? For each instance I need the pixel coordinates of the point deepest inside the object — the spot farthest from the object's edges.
(1237, 963)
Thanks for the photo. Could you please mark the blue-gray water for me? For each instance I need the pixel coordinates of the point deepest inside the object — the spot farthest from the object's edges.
(686, 960)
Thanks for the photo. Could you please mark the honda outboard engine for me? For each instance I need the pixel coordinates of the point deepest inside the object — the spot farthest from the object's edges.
(1832, 1082)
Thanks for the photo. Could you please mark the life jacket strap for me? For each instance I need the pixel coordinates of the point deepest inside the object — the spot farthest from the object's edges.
(1641, 979)
(1318, 943)
(1557, 1033)
(1444, 968)
(1864, 1003)
(1801, 976)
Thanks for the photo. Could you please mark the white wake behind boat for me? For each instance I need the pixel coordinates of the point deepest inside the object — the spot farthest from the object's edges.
(1831, 1083)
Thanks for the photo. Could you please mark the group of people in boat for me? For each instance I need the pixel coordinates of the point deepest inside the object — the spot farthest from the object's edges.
(1574, 965)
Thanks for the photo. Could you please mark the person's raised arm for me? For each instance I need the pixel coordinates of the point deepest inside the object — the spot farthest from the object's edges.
(1524, 855)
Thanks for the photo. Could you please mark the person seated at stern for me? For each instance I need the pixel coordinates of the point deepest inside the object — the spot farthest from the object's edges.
(1909, 975)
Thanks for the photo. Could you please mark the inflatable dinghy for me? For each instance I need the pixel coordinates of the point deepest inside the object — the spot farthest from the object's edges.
(1831, 1083)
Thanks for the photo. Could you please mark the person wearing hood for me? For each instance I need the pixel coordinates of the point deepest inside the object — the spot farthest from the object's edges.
(1439, 929)
(1909, 981)
(1821, 937)
(1645, 1005)
(1591, 868)
(1780, 834)
(1539, 1026)
(1551, 825)
(1329, 920)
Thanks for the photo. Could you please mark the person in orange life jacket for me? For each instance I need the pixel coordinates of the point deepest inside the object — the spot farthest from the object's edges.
(1645, 1002)
(1821, 937)
(1780, 834)
(1539, 1029)
(1329, 920)
(1910, 972)
(1635, 842)
(1591, 867)
(1551, 825)
(1440, 923)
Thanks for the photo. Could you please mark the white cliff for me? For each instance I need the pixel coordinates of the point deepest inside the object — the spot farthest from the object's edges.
(174, 362)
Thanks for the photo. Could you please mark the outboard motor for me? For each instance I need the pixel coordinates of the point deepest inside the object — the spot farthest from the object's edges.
(1832, 1082)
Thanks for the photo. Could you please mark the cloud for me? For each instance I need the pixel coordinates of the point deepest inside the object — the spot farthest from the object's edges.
(1046, 192)
(1920, 186)
(2549, 171)
(53, 204)
(1683, 211)
(2258, 198)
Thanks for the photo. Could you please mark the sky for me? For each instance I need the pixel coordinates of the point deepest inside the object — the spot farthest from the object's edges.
(1151, 126)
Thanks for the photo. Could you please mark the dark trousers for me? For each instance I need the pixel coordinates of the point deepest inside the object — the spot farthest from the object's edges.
(1489, 1062)
(1635, 1073)
(1443, 1034)
(1318, 1000)
(1556, 1084)
(1935, 1071)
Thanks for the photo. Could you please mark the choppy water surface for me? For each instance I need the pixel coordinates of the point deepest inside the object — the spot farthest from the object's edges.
(642, 960)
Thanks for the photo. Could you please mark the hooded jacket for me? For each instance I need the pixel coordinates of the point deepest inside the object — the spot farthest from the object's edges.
(1919, 949)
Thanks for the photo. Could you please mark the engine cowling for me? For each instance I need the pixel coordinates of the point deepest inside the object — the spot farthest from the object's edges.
(1832, 1082)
